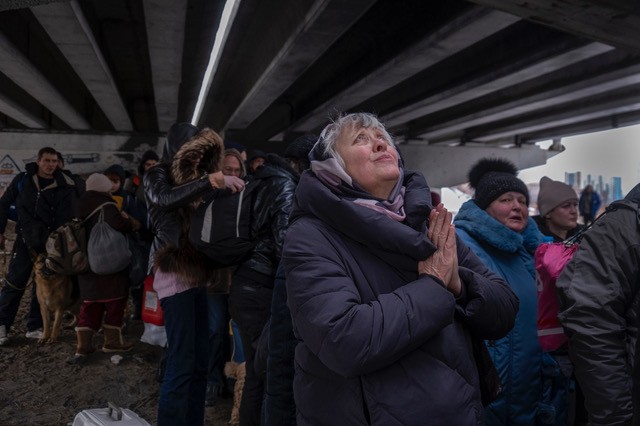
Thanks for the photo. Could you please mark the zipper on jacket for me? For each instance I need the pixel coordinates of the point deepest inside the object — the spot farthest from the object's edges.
(239, 212)
(365, 406)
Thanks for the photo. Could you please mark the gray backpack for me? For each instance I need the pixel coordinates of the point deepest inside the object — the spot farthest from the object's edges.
(107, 249)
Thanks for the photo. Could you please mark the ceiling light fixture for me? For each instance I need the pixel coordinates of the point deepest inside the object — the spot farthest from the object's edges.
(228, 15)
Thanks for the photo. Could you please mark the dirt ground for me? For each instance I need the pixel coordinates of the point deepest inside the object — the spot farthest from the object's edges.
(37, 387)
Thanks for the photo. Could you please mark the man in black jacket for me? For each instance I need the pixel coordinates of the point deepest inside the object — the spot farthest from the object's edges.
(599, 310)
(45, 199)
(252, 286)
(279, 339)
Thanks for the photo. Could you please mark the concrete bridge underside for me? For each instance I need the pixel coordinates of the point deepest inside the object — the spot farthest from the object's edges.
(481, 77)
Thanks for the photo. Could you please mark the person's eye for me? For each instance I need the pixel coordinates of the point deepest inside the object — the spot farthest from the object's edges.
(362, 138)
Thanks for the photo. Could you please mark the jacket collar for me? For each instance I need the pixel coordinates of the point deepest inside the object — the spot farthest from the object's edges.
(368, 227)
(481, 226)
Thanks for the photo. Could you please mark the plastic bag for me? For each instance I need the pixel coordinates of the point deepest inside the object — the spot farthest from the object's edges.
(108, 249)
(154, 335)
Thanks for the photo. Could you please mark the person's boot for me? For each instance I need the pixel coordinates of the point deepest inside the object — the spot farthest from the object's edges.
(113, 341)
(85, 341)
(85, 346)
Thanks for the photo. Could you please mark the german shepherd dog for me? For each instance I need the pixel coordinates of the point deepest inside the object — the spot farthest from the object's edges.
(55, 294)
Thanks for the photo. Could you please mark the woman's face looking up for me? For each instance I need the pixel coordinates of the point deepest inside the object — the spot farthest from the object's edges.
(369, 159)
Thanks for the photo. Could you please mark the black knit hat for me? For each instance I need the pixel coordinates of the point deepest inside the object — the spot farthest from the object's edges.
(256, 153)
(300, 147)
(148, 155)
(492, 177)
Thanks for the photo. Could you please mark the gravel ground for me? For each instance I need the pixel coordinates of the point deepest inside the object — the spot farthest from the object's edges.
(37, 387)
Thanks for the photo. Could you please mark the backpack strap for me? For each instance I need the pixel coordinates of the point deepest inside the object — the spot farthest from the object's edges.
(97, 209)
(575, 239)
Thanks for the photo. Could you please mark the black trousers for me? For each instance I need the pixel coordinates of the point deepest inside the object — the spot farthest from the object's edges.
(250, 307)
(13, 288)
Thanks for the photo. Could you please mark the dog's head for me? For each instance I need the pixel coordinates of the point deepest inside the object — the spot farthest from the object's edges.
(40, 268)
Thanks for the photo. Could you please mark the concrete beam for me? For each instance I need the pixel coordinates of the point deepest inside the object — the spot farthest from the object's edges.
(598, 124)
(19, 69)
(68, 29)
(445, 166)
(538, 100)
(452, 38)
(325, 22)
(622, 101)
(9, 108)
(165, 22)
(23, 4)
(486, 83)
(612, 22)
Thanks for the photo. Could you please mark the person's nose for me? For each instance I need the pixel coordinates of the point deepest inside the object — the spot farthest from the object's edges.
(379, 145)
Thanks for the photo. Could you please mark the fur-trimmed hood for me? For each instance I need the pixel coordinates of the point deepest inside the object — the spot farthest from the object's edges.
(207, 144)
(183, 259)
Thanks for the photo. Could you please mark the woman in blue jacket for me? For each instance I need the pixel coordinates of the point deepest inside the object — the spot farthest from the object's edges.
(385, 310)
(497, 228)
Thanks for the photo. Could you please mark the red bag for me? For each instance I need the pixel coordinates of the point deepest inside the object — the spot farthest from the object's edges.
(550, 260)
(151, 309)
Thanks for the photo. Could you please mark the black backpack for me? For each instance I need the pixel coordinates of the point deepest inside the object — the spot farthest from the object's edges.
(221, 226)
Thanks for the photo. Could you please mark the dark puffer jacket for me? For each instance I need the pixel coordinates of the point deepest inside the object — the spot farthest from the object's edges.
(270, 218)
(599, 310)
(10, 197)
(379, 344)
(42, 210)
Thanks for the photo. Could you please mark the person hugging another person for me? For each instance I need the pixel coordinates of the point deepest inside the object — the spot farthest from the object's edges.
(190, 168)
(495, 224)
(386, 310)
(218, 304)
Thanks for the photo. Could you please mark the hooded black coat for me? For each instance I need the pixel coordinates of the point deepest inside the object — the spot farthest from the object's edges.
(379, 344)
(599, 310)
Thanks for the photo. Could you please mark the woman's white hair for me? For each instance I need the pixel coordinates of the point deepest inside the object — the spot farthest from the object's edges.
(329, 135)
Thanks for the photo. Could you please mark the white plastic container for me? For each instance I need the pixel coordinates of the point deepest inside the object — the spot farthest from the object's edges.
(111, 415)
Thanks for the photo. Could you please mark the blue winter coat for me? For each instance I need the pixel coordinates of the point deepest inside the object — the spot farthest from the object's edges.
(379, 344)
(518, 356)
